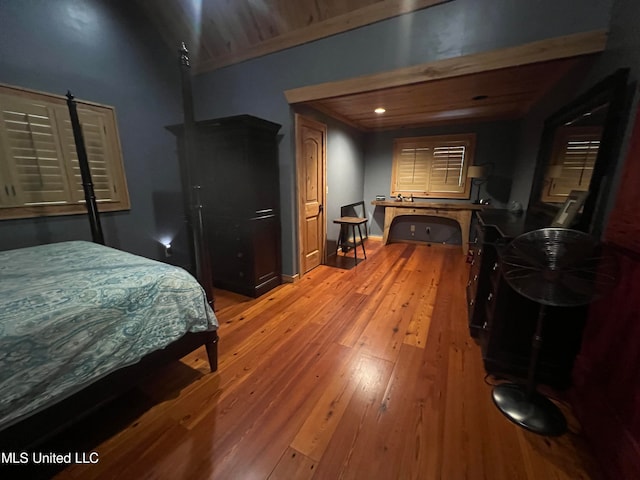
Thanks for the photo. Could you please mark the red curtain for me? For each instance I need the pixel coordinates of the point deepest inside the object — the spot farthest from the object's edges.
(606, 392)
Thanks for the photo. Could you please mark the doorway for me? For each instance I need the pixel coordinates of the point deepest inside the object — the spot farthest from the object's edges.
(311, 168)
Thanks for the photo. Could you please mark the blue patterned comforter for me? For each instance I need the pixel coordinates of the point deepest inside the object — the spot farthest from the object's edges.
(73, 312)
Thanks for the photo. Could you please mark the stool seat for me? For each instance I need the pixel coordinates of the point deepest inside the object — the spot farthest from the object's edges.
(354, 222)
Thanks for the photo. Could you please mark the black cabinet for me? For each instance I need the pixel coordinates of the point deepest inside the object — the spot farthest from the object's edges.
(503, 321)
(484, 262)
(238, 165)
(245, 253)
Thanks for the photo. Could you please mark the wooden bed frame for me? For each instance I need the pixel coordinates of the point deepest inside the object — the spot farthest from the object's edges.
(45, 424)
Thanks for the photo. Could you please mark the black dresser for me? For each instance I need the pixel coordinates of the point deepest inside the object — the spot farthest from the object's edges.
(503, 321)
(238, 164)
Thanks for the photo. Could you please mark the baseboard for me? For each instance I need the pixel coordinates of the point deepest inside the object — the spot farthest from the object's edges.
(290, 278)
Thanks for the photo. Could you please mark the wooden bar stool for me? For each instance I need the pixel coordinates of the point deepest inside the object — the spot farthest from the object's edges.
(354, 222)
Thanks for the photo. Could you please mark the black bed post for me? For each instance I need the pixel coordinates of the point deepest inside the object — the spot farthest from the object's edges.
(191, 181)
(85, 171)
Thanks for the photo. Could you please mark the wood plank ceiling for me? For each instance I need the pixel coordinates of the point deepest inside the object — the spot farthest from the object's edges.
(223, 32)
(503, 94)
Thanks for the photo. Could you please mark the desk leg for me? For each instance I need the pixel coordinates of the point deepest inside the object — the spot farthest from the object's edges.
(355, 248)
(389, 214)
(465, 226)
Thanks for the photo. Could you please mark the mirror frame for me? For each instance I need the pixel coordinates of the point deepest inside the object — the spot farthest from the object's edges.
(611, 90)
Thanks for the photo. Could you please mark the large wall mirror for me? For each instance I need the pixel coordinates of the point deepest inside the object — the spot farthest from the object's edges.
(577, 151)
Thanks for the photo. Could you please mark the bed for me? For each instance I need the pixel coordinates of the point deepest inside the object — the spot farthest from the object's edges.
(74, 315)
(80, 322)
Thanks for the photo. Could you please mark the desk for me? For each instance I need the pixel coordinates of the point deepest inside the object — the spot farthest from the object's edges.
(460, 212)
(354, 222)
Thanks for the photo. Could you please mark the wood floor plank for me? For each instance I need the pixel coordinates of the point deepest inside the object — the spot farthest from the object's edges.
(314, 436)
(344, 456)
(283, 412)
(258, 312)
(458, 423)
(418, 327)
(380, 267)
(346, 303)
(400, 435)
(137, 441)
(361, 373)
(243, 368)
(397, 313)
(294, 465)
(376, 293)
(235, 367)
(386, 328)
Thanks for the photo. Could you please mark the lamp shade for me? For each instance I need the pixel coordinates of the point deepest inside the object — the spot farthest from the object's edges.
(477, 171)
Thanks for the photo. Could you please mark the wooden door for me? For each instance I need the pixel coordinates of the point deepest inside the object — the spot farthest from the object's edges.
(311, 142)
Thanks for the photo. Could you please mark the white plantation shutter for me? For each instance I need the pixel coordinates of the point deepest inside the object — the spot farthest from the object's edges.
(448, 172)
(574, 156)
(433, 167)
(34, 161)
(97, 147)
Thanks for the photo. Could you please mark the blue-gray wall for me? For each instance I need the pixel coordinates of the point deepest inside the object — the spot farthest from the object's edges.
(345, 173)
(103, 52)
(460, 27)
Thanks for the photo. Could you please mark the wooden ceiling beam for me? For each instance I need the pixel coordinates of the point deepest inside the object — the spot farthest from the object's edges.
(338, 116)
(541, 51)
(526, 78)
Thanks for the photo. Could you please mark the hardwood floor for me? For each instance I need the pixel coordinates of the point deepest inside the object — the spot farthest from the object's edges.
(366, 373)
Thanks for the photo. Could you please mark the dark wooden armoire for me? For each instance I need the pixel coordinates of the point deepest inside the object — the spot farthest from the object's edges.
(238, 168)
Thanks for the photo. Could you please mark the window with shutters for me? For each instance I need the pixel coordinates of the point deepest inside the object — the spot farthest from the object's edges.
(432, 167)
(39, 170)
(573, 157)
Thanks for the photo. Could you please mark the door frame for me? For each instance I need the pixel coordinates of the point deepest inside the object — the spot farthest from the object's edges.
(301, 120)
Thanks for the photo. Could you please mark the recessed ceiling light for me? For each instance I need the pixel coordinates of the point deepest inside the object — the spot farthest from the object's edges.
(379, 110)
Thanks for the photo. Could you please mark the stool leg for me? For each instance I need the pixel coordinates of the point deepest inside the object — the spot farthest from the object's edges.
(339, 241)
(362, 242)
(355, 250)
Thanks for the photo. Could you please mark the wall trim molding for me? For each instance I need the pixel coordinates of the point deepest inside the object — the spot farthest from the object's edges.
(295, 278)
